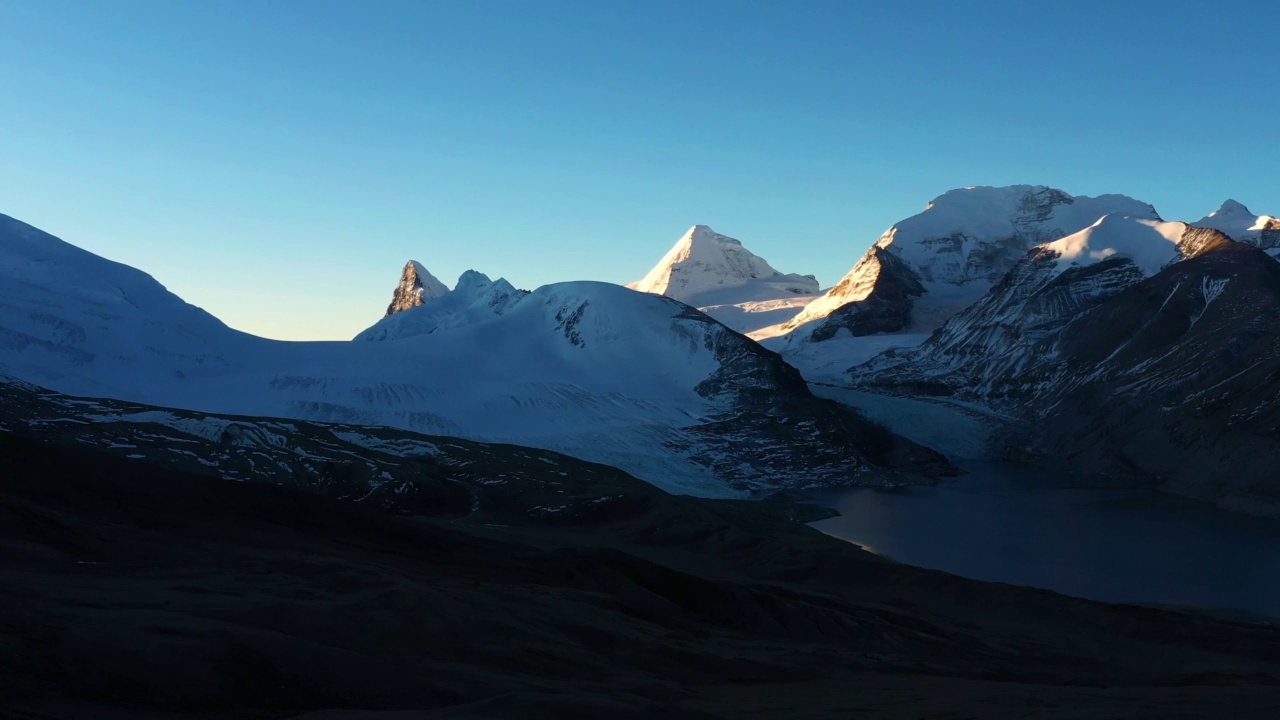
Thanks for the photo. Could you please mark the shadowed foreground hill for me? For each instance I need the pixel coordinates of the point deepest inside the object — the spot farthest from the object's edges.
(131, 590)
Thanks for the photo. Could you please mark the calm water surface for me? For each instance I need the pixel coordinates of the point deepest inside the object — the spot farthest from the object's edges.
(1017, 525)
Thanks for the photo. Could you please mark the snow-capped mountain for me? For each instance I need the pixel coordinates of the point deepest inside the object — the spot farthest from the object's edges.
(628, 379)
(416, 286)
(930, 266)
(987, 351)
(719, 276)
(474, 298)
(1236, 221)
(1133, 347)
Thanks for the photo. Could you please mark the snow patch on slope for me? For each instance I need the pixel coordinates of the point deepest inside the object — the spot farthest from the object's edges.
(829, 361)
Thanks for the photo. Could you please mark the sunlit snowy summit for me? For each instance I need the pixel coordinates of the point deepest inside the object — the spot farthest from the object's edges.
(718, 275)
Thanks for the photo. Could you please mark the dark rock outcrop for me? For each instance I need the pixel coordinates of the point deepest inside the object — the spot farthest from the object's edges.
(886, 309)
(416, 285)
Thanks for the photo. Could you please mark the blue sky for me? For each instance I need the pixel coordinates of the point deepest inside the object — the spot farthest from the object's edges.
(277, 162)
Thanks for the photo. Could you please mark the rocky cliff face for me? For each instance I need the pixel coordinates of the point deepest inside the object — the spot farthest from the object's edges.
(885, 304)
(1178, 379)
(416, 286)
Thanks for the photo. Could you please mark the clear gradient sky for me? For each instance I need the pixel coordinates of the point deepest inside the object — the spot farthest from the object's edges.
(277, 162)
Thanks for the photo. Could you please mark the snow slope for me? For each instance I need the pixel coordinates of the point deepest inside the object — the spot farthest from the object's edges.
(829, 361)
(69, 318)
(719, 276)
(637, 381)
(1149, 244)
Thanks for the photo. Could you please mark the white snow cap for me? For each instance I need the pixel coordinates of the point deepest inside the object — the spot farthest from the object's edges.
(938, 242)
(416, 286)
(427, 286)
(1236, 221)
(1150, 244)
(1230, 207)
(704, 261)
(963, 241)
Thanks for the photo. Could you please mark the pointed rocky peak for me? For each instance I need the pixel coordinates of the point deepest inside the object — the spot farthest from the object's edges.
(1230, 207)
(475, 298)
(700, 244)
(1240, 223)
(703, 261)
(416, 286)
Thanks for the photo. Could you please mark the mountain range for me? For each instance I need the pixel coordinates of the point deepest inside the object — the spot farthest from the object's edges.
(589, 500)
(633, 380)
(1122, 349)
(698, 377)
